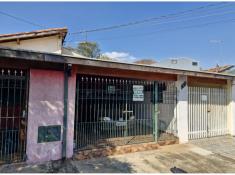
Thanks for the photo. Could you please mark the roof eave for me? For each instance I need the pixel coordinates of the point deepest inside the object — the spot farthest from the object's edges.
(31, 35)
(57, 58)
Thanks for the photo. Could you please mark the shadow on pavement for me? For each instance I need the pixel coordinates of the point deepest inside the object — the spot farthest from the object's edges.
(102, 165)
(177, 170)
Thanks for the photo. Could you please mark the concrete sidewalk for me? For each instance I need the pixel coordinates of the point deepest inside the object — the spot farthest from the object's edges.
(186, 157)
(224, 145)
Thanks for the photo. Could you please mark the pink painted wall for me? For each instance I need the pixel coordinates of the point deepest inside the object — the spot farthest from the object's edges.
(46, 94)
(71, 113)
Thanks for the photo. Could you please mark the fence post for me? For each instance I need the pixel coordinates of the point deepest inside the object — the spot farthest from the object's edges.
(155, 111)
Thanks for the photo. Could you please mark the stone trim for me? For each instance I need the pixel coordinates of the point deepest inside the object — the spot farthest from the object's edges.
(109, 151)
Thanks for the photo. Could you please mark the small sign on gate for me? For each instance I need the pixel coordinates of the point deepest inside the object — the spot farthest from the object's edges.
(138, 93)
(204, 97)
(111, 89)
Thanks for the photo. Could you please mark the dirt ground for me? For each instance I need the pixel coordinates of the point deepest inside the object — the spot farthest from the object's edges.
(195, 157)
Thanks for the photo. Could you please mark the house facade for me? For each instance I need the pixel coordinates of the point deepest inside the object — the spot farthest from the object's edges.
(55, 105)
(180, 63)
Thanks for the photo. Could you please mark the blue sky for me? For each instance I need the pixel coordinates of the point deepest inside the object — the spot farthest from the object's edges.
(183, 36)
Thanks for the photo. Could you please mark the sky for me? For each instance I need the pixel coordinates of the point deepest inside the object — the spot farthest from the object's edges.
(204, 34)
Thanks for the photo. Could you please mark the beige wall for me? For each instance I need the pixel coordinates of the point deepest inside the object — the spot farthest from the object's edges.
(50, 44)
(231, 107)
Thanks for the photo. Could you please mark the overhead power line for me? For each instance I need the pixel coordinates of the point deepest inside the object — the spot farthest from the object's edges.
(185, 20)
(174, 29)
(147, 20)
(21, 19)
(198, 17)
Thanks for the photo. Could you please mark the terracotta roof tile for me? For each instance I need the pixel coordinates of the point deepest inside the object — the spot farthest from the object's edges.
(33, 34)
(219, 69)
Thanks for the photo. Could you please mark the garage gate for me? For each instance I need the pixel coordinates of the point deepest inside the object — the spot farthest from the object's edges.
(207, 112)
(13, 120)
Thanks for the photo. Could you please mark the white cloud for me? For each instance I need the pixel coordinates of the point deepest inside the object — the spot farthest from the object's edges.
(120, 56)
(216, 41)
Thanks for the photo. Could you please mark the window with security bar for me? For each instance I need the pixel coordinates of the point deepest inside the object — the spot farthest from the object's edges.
(13, 89)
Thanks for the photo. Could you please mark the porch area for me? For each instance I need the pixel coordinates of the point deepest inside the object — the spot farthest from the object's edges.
(115, 111)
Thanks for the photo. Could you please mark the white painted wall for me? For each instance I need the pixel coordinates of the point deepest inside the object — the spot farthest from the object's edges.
(179, 63)
(182, 109)
(231, 119)
(51, 44)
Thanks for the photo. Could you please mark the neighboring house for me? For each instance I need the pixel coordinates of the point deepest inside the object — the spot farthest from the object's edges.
(180, 63)
(231, 71)
(227, 69)
(71, 52)
(49, 40)
(146, 61)
(55, 103)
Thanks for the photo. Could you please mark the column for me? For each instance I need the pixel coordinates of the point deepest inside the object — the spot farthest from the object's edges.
(182, 108)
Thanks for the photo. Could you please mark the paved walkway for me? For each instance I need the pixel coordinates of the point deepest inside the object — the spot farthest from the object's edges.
(188, 158)
(196, 157)
(224, 145)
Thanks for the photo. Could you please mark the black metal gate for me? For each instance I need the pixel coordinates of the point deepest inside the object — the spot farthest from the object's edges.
(114, 111)
(13, 119)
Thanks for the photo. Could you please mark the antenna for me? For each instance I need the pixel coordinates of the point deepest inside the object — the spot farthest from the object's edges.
(86, 36)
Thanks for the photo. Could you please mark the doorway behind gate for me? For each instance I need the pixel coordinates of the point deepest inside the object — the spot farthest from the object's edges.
(13, 119)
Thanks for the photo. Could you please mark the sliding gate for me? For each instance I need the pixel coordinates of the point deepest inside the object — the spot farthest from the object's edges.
(13, 90)
(207, 112)
(114, 111)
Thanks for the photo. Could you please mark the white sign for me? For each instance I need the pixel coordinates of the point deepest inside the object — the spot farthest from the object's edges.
(121, 123)
(204, 97)
(111, 89)
(138, 93)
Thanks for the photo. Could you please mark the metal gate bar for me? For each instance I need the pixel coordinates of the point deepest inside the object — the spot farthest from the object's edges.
(167, 118)
(207, 112)
(109, 113)
(13, 90)
(106, 114)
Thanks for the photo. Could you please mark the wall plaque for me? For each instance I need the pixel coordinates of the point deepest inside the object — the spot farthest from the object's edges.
(49, 133)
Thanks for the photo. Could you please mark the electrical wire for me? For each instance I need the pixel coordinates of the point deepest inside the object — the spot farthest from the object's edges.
(165, 30)
(21, 19)
(177, 21)
(147, 20)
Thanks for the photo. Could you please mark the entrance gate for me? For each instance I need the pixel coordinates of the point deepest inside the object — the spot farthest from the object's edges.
(13, 122)
(207, 112)
(114, 111)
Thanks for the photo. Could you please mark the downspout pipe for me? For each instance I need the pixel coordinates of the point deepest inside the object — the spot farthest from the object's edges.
(67, 74)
